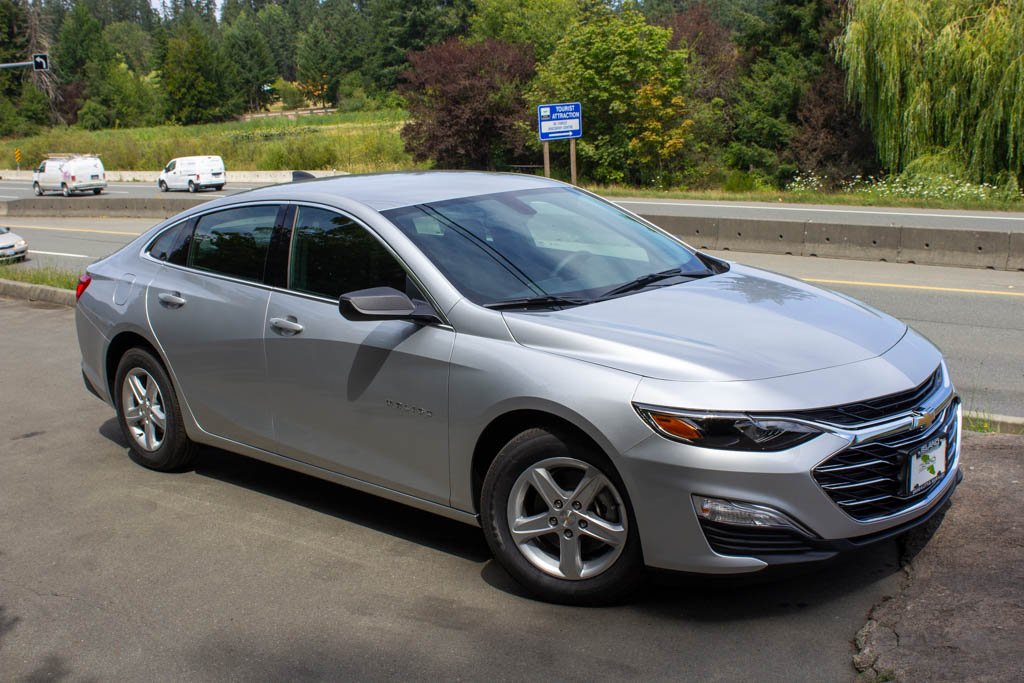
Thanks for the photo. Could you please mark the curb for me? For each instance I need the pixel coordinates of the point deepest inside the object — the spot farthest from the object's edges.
(30, 292)
(999, 424)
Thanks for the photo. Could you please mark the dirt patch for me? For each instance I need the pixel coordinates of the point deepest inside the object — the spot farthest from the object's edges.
(959, 614)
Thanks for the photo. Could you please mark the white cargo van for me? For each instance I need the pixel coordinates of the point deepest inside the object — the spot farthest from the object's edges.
(193, 174)
(70, 173)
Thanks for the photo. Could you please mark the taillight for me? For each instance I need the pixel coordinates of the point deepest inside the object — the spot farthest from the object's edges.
(83, 282)
(72, 178)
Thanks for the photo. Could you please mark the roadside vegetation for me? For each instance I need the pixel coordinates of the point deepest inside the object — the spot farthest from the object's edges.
(43, 275)
(832, 101)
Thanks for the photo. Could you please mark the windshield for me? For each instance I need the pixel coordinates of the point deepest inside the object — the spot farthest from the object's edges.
(554, 245)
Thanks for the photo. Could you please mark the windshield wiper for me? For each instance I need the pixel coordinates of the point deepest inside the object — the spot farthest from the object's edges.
(535, 302)
(649, 279)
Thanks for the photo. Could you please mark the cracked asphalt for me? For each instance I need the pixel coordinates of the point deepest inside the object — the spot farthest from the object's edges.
(237, 570)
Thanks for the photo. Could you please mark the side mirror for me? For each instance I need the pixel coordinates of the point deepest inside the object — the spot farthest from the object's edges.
(381, 303)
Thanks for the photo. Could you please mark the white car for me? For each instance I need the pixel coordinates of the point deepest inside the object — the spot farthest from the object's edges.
(12, 247)
(193, 174)
(69, 174)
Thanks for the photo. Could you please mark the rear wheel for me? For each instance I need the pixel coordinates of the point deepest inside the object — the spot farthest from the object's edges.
(65, 190)
(192, 186)
(97, 191)
(219, 188)
(557, 517)
(37, 190)
(149, 415)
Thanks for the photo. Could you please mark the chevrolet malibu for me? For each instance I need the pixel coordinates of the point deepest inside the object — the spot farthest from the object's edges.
(521, 355)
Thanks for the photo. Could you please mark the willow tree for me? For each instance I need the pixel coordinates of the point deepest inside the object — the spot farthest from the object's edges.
(940, 74)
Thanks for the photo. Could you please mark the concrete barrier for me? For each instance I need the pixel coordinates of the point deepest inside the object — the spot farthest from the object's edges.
(1015, 260)
(863, 242)
(931, 246)
(939, 247)
(30, 292)
(128, 207)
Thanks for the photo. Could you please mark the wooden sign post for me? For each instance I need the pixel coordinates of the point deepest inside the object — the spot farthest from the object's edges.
(562, 121)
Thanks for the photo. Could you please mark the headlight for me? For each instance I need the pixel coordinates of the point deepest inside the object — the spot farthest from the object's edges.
(726, 431)
(19, 244)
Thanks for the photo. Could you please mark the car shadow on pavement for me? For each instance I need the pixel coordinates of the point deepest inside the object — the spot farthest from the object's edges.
(356, 507)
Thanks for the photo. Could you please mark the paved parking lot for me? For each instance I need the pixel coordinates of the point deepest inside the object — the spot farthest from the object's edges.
(240, 570)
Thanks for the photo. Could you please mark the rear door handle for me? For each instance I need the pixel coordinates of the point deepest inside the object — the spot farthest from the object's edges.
(285, 325)
(171, 300)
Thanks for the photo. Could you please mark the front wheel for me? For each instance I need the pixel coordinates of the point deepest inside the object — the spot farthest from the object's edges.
(37, 190)
(163, 186)
(557, 517)
(149, 415)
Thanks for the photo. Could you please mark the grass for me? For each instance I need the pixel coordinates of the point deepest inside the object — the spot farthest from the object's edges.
(808, 197)
(355, 142)
(44, 275)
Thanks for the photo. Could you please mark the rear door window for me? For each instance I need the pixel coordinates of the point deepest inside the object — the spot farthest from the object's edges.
(234, 242)
(172, 244)
(331, 255)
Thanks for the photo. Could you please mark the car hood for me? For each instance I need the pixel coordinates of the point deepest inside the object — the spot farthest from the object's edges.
(9, 237)
(745, 324)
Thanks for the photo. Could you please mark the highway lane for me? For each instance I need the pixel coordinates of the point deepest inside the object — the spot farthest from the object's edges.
(22, 189)
(976, 316)
(1001, 221)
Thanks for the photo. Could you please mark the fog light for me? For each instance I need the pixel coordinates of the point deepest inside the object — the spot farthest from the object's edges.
(742, 514)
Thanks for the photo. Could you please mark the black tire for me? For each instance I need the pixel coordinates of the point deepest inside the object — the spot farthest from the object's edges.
(176, 450)
(162, 185)
(219, 188)
(519, 455)
(97, 191)
(65, 190)
(192, 187)
(37, 190)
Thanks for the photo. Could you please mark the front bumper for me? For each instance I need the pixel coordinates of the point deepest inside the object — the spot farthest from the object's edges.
(667, 475)
(13, 253)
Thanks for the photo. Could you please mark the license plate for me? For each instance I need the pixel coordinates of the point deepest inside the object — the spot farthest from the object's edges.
(927, 464)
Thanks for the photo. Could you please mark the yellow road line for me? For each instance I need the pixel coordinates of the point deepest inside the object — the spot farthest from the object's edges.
(956, 290)
(89, 230)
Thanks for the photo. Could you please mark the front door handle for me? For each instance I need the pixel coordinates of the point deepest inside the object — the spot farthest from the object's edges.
(171, 300)
(285, 325)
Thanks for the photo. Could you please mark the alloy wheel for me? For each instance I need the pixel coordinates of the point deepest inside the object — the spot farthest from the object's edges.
(143, 407)
(567, 518)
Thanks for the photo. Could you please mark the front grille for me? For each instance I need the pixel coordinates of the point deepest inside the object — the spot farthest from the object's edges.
(726, 539)
(869, 481)
(877, 408)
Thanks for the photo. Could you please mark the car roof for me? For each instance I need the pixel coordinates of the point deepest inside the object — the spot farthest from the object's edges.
(382, 191)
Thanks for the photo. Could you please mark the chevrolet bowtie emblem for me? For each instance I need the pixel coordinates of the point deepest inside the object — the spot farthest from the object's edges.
(923, 420)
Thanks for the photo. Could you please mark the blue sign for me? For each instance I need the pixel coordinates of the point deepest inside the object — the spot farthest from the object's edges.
(560, 121)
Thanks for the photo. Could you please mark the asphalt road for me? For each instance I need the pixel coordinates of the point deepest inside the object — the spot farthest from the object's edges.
(238, 570)
(22, 189)
(975, 316)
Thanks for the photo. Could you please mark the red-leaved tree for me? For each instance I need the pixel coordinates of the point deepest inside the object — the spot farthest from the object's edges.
(466, 103)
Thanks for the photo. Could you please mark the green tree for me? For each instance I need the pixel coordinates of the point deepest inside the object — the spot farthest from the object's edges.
(195, 87)
(630, 83)
(314, 61)
(13, 46)
(80, 42)
(131, 43)
(246, 50)
(935, 74)
(279, 34)
(397, 27)
(540, 23)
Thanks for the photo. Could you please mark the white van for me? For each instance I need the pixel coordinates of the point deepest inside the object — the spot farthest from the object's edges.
(193, 174)
(69, 173)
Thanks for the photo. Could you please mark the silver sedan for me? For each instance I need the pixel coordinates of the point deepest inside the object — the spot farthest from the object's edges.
(524, 356)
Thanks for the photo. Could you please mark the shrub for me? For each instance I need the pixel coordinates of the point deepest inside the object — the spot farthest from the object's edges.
(289, 93)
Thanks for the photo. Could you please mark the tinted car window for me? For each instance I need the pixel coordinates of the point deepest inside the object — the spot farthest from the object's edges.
(234, 242)
(332, 254)
(172, 244)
